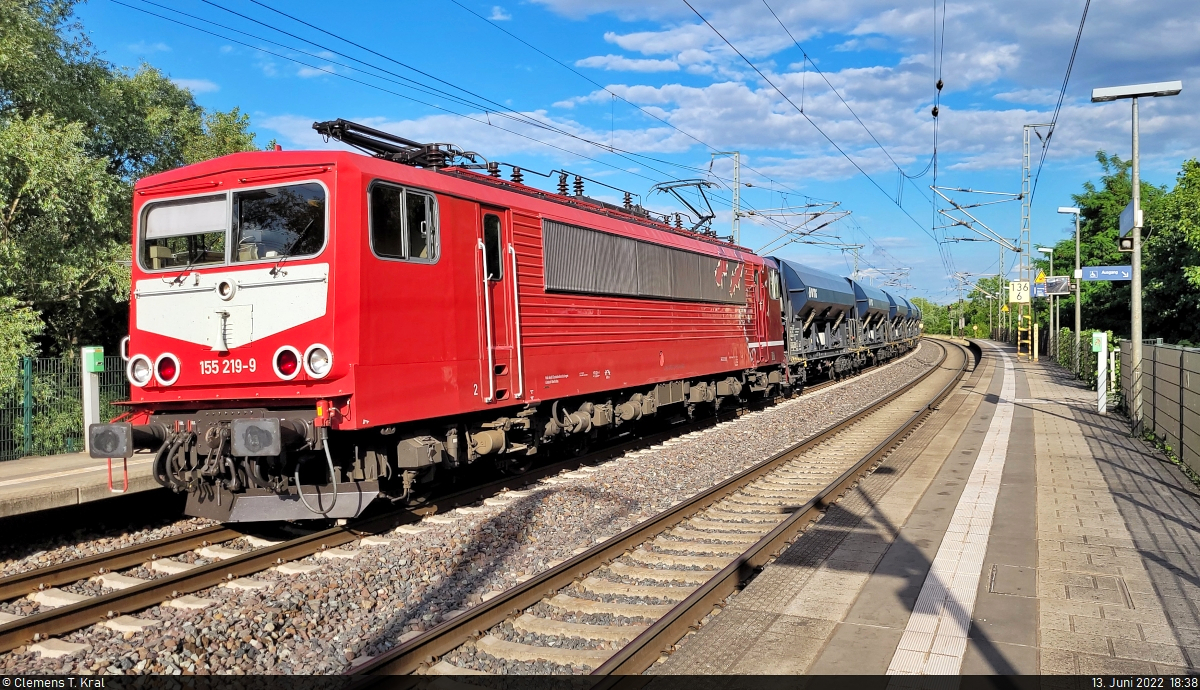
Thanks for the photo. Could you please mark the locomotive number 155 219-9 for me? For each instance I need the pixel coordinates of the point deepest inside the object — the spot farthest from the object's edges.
(227, 366)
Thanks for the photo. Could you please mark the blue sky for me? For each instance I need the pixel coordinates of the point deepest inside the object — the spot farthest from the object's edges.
(652, 79)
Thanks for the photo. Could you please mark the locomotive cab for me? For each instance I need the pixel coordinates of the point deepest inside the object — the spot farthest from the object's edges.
(232, 345)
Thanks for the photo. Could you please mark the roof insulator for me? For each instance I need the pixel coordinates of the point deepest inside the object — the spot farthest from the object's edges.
(562, 184)
(578, 186)
(517, 176)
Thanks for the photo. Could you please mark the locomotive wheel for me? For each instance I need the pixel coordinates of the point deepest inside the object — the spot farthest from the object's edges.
(515, 466)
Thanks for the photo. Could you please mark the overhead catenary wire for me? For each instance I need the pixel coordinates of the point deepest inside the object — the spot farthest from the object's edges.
(497, 108)
(844, 101)
(1062, 92)
(414, 85)
(335, 73)
(816, 126)
(489, 106)
(947, 258)
(378, 88)
(615, 95)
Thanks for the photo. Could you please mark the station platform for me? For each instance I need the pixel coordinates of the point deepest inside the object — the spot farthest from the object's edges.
(1017, 531)
(34, 484)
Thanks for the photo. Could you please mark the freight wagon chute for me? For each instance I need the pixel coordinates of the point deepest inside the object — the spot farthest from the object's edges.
(874, 309)
(818, 307)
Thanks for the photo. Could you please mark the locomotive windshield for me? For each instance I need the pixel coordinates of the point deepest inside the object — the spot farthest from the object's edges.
(189, 232)
(277, 222)
(265, 225)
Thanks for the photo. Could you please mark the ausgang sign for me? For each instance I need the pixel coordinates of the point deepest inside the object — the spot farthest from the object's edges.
(1095, 273)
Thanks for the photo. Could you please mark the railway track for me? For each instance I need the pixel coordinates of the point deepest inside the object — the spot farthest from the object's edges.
(617, 607)
(173, 580)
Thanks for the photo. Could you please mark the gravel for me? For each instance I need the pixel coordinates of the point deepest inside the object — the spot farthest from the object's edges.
(18, 557)
(320, 622)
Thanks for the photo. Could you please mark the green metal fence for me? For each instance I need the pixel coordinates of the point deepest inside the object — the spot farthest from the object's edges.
(1087, 359)
(41, 404)
(114, 387)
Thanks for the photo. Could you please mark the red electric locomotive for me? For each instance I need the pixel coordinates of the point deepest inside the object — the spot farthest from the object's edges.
(310, 330)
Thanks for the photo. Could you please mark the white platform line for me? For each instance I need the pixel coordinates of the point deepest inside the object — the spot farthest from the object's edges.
(71, 473)
(936, 636)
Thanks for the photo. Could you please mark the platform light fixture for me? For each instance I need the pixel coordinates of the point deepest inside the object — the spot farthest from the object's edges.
(1153, 90)
(1134, 92)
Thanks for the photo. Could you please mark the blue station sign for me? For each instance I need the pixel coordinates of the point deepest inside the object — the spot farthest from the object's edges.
(1094, 273)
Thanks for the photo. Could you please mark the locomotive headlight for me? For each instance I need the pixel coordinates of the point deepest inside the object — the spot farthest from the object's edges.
(286, 362)
(166, 369)
(139, 370)
(318, 360)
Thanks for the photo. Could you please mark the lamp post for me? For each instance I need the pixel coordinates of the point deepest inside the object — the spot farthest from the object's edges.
(1051, 317)
(1134, 92)
(1078, 282)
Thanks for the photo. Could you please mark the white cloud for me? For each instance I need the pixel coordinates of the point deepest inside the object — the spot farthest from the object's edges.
(499, 15)
(857, 44)
(268, 66)
(196, 85)
(1030, 96)
(619, 63)
(143, 47)
(318, 71)
(1000, 70)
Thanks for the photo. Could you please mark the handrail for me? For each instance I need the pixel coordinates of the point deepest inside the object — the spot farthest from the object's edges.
(487, 315)
(517, 321)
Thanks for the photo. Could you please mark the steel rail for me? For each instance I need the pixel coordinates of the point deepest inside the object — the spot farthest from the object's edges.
(646, 648)
(95, 610)
(126, 557)
(411, 656)
(71, 617)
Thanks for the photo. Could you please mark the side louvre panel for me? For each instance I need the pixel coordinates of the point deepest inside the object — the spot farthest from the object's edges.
(588, 261)
(654, 270)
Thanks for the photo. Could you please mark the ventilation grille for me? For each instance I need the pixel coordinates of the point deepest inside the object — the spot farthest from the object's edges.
(588, 261)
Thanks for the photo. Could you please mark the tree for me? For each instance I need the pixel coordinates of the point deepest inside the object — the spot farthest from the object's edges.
(1171, 267)
(1105, 305)
(18, 327)
(75, 133)
(219, 134)
(60, 237)
(935, 316)
(980, 309)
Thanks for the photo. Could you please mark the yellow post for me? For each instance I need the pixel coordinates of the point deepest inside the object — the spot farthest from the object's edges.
(1035, 342)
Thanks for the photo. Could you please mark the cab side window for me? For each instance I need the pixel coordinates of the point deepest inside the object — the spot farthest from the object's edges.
(493, 267)
(403, 223)
(418, 222)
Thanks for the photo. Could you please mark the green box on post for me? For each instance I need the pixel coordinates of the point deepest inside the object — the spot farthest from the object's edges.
(93, 360)
(1098, 341)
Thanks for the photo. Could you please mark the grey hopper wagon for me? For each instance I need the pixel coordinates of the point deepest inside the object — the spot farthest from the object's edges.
(818, 307)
